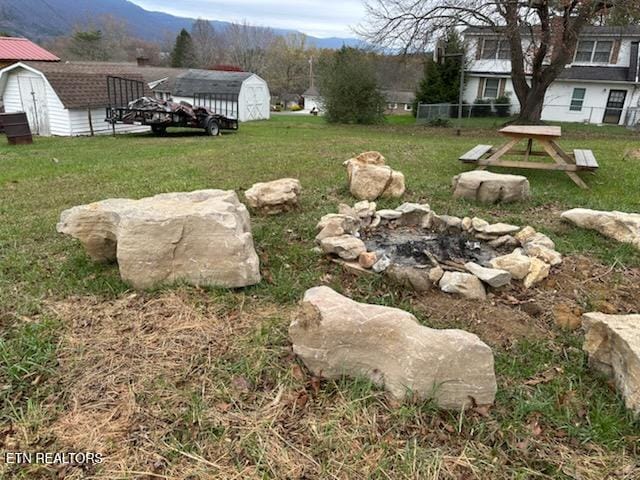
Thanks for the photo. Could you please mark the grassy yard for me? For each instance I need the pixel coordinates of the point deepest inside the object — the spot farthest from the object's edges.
(193, 383)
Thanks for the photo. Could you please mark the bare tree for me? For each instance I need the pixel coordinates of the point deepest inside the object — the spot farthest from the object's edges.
(248, 46)
(207, 44)
(542, 34)
(288, 64)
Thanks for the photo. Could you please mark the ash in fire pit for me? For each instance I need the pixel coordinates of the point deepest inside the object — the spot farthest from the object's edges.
(407, 246)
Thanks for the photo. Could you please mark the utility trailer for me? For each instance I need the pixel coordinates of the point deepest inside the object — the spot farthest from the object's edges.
(128, 104)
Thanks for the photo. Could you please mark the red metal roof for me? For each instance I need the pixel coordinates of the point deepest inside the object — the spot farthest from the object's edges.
(22, 49)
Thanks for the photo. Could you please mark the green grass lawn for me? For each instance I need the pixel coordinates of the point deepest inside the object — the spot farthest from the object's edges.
(245, 423)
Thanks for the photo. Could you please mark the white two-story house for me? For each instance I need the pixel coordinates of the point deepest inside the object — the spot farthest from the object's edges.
(601, 85)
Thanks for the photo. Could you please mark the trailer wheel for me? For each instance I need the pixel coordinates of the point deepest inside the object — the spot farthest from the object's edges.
(159, 129)
(213, 129)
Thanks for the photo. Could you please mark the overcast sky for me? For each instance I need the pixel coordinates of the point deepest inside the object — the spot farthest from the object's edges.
(320, 18)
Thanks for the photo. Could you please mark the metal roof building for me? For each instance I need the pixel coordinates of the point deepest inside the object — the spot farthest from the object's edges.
(14, 49)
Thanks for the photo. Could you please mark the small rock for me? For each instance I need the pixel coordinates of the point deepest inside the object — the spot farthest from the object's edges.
(528, 236)
(335, 336)
(516, 263)
(504, 241)
(367, 259)
(365, 209)
(499, 229)
(465, 284)
(388, 214)
(348, 224)
(382, 264)
(538, 271)
(415, 278)
(479, 224)
(566, 317)
(413, 214)
(543, 253)
(467, 224)
(346, 247)
(445, 223)
(613, 345)
(375, 221)
(525, 234)
(272, 198)
(435, 274)
(491, 276)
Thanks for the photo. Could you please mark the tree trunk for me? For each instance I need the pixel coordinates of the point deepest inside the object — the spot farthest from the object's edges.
(531, 106)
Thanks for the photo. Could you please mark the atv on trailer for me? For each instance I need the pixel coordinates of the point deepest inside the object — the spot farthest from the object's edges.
(128, 105)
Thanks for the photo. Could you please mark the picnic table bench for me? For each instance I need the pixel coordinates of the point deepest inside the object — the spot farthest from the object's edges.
(487, 156)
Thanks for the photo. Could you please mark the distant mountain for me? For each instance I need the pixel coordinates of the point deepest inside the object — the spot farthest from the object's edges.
(43, 19)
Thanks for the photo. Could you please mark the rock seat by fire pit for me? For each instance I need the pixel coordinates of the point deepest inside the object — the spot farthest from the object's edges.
(418, 248)
(273, 198)
(488, 187)
(202, 238)
(369, 177)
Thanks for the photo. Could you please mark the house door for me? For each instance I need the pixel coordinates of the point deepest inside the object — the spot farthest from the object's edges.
(615, 104)
(34, 102)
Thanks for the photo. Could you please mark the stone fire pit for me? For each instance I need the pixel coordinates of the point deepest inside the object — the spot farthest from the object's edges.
(420, 249)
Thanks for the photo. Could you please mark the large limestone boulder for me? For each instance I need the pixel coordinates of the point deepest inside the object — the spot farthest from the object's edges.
(487, 187)
(369, 177)
(202, 238)
(613, 345)
(623, 227)
(337, 336)
(272, 198)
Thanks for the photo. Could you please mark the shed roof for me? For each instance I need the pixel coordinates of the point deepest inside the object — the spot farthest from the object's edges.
(209, 81)
(311, 92)
(399, 96)
(78, 86)
(19, 49)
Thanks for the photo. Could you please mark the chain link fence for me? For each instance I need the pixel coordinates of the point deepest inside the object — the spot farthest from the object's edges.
(629, 117)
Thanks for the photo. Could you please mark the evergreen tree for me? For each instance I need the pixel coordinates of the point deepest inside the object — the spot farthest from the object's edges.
(347, 82)
(88, 45)
(441, 82)
(183, 54)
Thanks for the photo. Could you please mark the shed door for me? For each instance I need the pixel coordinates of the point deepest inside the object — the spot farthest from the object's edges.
(34, 102)
(254, 102)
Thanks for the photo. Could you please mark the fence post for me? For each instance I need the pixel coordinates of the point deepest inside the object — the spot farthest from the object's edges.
(90, 121)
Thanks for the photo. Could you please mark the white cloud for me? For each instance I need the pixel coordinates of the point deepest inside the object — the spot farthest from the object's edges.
(320, 18)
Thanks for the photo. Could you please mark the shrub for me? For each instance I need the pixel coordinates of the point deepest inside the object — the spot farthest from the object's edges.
(481, 108)
(503, 106)
(349, 88)
(439, 122)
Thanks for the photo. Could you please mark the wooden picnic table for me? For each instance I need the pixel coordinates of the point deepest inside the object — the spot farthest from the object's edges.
(546, 136)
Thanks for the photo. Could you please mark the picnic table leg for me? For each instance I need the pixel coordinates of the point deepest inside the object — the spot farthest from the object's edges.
(499, 153)
(560, 157)
(528, 151)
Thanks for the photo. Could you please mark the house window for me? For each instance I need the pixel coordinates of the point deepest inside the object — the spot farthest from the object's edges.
(495, 49)
(577, 99)
(591, 51)
(408, 107)
(491, 88)
(392, 106)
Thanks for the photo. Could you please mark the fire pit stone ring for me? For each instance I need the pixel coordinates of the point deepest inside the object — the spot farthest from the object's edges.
(420, 249)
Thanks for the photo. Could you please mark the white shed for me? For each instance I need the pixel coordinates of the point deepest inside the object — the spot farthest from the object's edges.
(244, 95)
(312, 99)
(59, 98)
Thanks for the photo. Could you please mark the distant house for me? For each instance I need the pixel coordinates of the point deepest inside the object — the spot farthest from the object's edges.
(13, 50)
(70, 98)
(399, 101)
(312, 99)
(601, 85)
